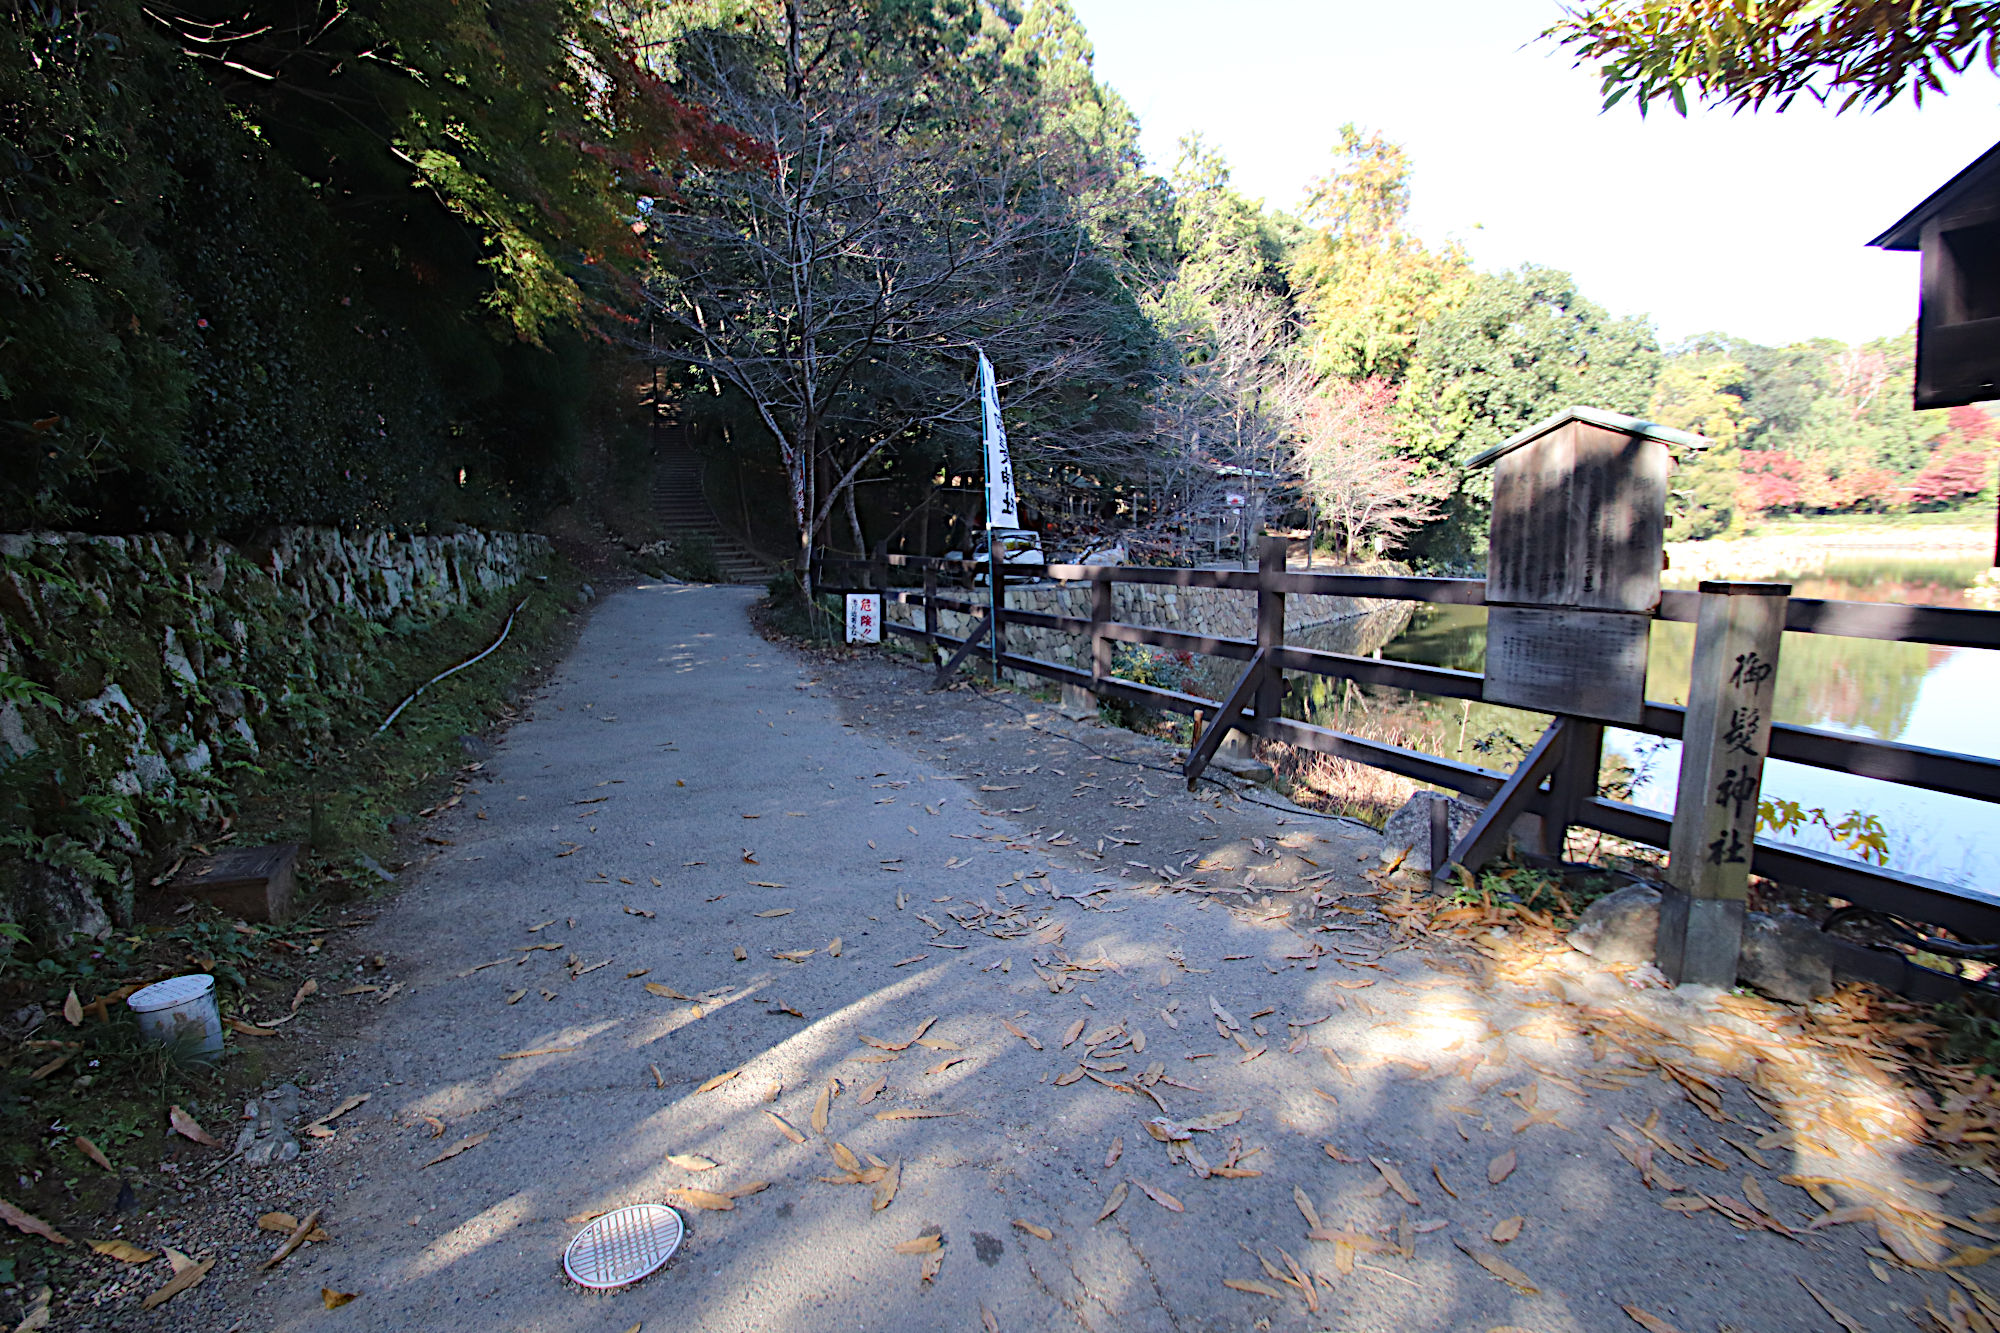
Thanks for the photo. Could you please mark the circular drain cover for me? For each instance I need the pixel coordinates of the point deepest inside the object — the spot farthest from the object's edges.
(624, 1245)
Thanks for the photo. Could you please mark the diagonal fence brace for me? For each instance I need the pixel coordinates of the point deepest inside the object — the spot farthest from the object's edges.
(1227, 716)
(1489, 832)
(979, 631)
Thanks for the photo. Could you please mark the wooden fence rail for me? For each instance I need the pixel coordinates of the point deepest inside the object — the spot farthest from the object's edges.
(1558, 780)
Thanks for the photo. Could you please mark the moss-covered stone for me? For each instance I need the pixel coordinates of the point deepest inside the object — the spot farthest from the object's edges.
(138, 670)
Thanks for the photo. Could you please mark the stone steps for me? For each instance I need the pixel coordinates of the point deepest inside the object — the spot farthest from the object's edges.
(683, 509)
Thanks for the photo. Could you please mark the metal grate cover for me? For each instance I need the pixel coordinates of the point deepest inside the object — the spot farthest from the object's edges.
(623, 1246)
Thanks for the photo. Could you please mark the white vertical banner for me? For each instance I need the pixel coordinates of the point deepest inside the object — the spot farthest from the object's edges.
(1003, 505)
(864, 617)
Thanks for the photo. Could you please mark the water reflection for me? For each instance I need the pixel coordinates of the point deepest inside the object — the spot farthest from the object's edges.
(1938, 697)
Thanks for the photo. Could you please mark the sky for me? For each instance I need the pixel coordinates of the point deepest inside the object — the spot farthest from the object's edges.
(1755, 224)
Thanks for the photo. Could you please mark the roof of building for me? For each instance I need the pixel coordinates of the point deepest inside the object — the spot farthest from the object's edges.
(1596, 416)
(1907, 234)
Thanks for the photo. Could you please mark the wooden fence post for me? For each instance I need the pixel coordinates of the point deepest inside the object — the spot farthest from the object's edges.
(1100, 615)
(1270, 623)
(1727, 735)
(1078, 702)
(930, 610)
(996, 581)
(1573, 782)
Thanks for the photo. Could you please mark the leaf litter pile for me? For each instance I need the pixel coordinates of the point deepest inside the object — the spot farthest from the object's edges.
(1845, 1088)
(1839, 1091)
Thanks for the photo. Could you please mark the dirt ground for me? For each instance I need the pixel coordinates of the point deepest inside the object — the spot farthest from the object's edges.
(938, 1010)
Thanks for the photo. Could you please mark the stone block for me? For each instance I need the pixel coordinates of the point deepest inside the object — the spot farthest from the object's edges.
(1786, 956)
(1406, 836)
(1621, 927)
(252, 883)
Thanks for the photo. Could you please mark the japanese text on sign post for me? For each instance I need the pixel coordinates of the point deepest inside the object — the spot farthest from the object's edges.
(864, 617)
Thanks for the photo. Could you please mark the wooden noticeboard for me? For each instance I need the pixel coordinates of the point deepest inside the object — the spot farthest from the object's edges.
(1573, 572)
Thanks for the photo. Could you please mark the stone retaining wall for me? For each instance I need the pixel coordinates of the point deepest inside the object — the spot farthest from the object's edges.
(135, 670)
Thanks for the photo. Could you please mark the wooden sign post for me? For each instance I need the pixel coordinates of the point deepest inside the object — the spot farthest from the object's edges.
(1572, 586)
(1728, 732)
(1573, 564)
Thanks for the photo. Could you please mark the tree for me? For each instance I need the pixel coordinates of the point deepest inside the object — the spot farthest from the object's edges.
(1366, 285)
(1345, 450)
(1744, 53)
(841, 293)
(1959, 477)
(283, 262)
(1522, 345)
(1702, 390)
(1229, 387)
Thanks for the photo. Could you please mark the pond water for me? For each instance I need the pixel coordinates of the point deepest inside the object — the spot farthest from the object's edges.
(1946, 698)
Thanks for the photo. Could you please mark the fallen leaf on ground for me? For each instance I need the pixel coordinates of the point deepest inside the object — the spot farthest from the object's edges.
(921, 1245)
(1254, 1288)
(1507, 1228)
(73, 1009)
(916, 1115)
(286, 1223)
(1501, 1167)
(1022, 1035)
(1215, 1120)
(664, 992)
(318, 1128)
(885, 1188)
(124, 1251)
(1111, 1203)
(745, 1191)
(94, 1153)
(333, 1300)
(1075, 1031)
(540, 1050)
(179, 1283)
(1161, 1197)
(301, 1233)
(821, 1106)
(1652, 1323)
(1396, 1182)
(1115, 1151)
(186, 1126)
(688, 1161)
(774, 911)
(1834, 1312)
(1306, 1209)
(1499, 1268)
(31, 1223)
(463, 1145)
(310, 987)
(720, 1079)
(437, 1126)
(708, 1200)
(1038, 1232)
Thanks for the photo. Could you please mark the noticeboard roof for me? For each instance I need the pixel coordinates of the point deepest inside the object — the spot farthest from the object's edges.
(1907, 232)
(1596, 416)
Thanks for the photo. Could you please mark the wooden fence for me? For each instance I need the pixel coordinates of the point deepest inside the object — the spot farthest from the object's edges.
(1558, 779)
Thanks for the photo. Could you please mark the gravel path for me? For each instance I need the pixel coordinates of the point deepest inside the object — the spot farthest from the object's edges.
(711, 895)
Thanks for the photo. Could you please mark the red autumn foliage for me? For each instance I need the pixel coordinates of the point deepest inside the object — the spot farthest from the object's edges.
(1947, 479)
(1971, 424)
